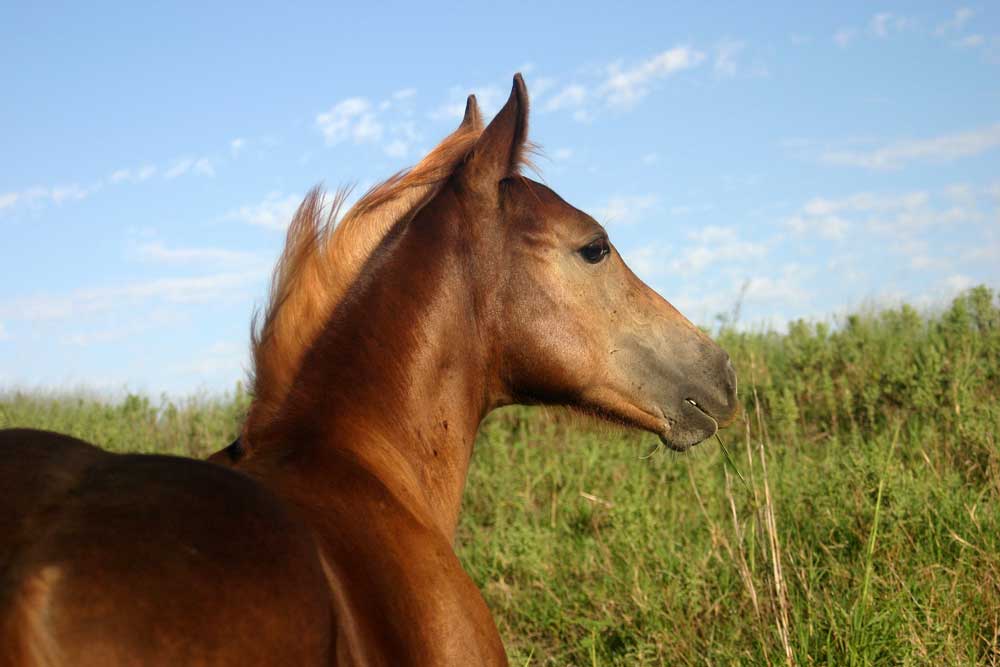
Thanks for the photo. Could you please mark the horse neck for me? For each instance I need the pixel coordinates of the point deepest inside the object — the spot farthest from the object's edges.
(400, 379)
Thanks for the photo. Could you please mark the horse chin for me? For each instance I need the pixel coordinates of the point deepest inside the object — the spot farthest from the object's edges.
(693, 426)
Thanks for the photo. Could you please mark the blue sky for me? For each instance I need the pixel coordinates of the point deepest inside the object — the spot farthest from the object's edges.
(817, 159)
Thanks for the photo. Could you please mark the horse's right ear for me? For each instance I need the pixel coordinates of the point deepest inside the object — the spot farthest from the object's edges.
(499, 150)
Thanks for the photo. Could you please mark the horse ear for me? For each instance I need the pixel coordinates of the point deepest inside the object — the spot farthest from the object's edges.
(472, 120)
(498, 151)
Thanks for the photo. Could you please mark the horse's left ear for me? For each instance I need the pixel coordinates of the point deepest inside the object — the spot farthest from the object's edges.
(499, 150)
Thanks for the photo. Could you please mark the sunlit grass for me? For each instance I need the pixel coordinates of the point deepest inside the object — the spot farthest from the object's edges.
(865, 530)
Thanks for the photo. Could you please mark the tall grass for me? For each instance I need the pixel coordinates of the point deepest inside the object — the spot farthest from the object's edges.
(857, 521)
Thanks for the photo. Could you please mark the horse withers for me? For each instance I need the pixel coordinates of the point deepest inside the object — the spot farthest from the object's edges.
(323, 536)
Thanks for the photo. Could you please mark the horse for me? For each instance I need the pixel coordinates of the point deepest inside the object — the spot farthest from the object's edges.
(323, 535)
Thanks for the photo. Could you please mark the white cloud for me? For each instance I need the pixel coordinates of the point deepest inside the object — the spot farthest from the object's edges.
(396, 148)
(136, 175)
(56, 194)
(844, 37)
(831, 227)
(489, 99)
(157, 319)
(714, 244)
(935, 149)
(987, 252)
(786, 289)
(201, 166)
(8, 199)
(893, 214)
(72, 192)
(274, 212)
(237, 145)
(178, 168)
(570, 96)
(624, 210)
(971, 41)
(404, 136)
(204, 167)
(725, 57)
(222, 358)
(648, 260)
(919, 255)
(867, 202)
(353, 119)
(885, 23)
(688, 209)
(959, 283)
(956, 22)
(868, 218)
(200, 289)
(540, 86)
(159, 253)
(561, 154)
(625, 87)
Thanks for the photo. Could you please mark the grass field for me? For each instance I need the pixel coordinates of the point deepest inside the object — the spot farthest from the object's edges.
(857, 521)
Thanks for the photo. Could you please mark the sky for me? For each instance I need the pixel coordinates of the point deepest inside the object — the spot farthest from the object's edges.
(801, 161)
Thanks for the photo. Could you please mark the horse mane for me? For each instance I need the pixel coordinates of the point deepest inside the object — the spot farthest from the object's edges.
(323, 255)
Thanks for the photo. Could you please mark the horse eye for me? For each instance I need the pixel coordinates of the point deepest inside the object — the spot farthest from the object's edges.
(595, 251)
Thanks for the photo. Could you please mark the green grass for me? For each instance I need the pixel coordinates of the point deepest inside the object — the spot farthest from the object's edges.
(856, 522)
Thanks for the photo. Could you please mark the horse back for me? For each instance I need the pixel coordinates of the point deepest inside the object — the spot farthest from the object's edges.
(112, 559)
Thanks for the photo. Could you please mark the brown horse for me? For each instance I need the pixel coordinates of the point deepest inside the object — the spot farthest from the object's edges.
(323, 535)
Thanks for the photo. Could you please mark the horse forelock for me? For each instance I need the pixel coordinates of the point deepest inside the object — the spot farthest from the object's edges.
(323, 255)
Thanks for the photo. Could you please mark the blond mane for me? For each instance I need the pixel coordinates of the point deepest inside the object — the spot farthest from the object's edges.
(323, 255)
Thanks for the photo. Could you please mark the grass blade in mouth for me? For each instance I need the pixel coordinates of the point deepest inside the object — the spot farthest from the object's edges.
(732, 464)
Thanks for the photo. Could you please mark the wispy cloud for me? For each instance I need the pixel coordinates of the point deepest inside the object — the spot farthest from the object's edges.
(222, 358)
(202, 166)
(956, 22)
(970, 41)
(844, 36)
(704, 248)
(933, 149)
(8, 199)
(133, 175)
(884, 24)
(713, 244)
(122, 330)
(274, 212)
(625, 86)
(562, 154)
(880, 26)
(57, 195)
(352, 119)
(570, 96)
(489, 98)
(158, 252)
(899, 216)
(625, 209)
(726, 53)
(78, 302)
